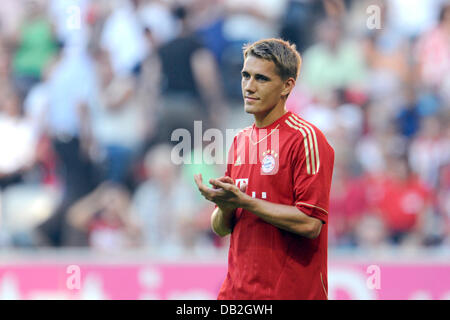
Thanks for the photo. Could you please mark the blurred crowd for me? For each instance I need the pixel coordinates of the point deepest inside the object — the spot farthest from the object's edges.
(92, 90)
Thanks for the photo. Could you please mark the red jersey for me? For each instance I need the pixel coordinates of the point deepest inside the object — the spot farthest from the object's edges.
(288, 162)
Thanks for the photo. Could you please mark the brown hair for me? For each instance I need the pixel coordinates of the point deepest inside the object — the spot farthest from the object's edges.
(284, 54)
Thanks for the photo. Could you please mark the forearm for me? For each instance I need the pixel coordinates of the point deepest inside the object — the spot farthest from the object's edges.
(285, 217)
(205, 73)
(222, 221)
(83, 210)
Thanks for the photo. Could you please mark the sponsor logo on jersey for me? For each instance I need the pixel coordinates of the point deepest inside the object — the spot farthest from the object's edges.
(240, 182)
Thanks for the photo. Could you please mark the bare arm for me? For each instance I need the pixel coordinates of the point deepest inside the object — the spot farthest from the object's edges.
(83, 210)
(221, 221)
(206, 73)
(285, 217)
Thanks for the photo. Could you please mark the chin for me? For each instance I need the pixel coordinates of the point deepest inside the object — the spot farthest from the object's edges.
(250, 109)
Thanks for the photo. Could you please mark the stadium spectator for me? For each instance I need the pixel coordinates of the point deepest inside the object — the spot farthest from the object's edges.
(118, 121)
(208, 18)
(106, 217)
(148, 89)
(334, 62)
(387, 55)
(297, 17)
(123, 37)
(348, 202)
(165, 205)
(405, 204)
(246, 22)
(18, 139)
(35, 45)
(69, 126)
(190, 83)
(156, 17)
(70, 22)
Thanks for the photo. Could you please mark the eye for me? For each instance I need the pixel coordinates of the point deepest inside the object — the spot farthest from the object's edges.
(261, 78)
(245, 75)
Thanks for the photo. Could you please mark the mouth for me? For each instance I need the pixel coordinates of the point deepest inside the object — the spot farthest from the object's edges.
(250, 98)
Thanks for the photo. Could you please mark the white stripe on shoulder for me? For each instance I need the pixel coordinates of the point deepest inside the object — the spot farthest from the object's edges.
(299, 121)
(305, 141)
(311, 143)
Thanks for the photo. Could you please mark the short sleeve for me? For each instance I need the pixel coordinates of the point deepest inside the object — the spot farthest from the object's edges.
(313, 162)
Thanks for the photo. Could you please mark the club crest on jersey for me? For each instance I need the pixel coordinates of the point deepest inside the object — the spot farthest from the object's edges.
(269, 163)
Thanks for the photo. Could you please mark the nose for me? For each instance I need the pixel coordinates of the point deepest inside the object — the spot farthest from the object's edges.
(249, 85)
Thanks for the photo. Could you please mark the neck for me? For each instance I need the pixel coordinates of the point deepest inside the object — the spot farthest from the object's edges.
(266, 119)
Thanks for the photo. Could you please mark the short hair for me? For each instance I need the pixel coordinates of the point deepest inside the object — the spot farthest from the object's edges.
(283, 54)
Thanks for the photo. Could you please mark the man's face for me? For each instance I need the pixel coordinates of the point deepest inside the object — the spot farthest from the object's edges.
(262, 87)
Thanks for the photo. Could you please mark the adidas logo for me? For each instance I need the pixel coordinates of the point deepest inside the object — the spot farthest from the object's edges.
(238, 161)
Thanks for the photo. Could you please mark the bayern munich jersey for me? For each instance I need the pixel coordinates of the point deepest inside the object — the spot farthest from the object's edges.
(288, 162)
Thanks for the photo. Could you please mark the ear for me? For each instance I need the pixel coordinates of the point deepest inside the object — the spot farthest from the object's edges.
(288, 85)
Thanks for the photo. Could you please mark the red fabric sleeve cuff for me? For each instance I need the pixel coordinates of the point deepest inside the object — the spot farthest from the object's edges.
(313, 211)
